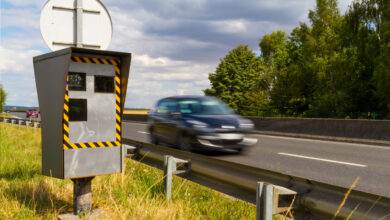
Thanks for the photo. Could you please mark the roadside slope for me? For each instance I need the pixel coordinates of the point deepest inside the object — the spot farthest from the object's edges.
(136, 194)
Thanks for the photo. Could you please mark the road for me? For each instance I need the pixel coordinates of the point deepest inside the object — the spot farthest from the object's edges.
(21, 115)
(335, 163)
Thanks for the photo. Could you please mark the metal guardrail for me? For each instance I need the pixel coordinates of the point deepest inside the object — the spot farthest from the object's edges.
(19, 121)
(314, 200)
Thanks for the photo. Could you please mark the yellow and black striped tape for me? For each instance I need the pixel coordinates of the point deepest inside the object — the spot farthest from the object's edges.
(118, 125)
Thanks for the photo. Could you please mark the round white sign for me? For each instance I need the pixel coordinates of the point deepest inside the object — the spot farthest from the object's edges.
(76, 23)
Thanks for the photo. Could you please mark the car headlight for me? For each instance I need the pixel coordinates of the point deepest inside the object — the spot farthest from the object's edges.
(197, 124)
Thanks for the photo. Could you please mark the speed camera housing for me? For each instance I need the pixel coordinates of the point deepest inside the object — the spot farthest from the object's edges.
(81, 96)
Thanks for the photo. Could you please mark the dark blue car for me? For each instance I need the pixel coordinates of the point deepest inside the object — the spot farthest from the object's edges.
(199, 122)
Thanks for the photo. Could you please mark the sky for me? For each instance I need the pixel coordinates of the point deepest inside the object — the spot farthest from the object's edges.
(175, 44)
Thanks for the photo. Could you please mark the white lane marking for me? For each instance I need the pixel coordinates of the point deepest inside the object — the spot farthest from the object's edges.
(325, 141)
(143, 132)
(322, 159)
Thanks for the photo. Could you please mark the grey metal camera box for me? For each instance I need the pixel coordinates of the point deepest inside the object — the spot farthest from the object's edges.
(81, 95)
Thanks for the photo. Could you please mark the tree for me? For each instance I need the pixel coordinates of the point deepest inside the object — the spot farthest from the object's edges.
(3, 96)
(236, 75)
(274, 53)
(382, 70)
(335, 66)
(359, 37)
(322, 46)
(272, 44)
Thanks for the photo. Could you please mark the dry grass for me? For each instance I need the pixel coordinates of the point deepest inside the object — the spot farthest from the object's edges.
(341, 205)
(136, 194)
(5, 115)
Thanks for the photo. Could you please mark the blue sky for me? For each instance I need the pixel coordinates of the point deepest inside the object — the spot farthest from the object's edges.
(175, 43)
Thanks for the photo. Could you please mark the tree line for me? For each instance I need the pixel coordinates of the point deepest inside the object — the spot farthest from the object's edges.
(3, 95)
(336, 66)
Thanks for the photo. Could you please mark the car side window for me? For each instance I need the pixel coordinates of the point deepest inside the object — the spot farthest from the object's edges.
(188, 106)
(166, 106)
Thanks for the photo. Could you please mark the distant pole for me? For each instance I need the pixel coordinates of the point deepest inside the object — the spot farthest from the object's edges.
(79, 23)
(82, 195)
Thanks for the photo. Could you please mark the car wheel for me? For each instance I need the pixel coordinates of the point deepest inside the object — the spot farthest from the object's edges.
(185, 143)
(153, 137)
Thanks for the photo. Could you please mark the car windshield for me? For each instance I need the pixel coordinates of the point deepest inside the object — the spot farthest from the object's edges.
(203, 107)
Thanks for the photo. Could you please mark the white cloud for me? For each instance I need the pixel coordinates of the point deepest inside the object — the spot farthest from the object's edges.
(16, 61)
(23, 18)
(147, 61)
(231, 26)
(26, 3)
(177, 77)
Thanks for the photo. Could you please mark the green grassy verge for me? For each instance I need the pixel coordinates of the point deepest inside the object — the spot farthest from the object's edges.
(136, 194)
(5, 115)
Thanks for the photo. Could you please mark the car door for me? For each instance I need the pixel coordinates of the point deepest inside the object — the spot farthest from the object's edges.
(158, 118)
(163, 119)
(173, 121)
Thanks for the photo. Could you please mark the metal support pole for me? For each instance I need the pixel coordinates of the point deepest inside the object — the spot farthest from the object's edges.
(169, 167)
(264, 203)
(82, 195)
(79, 23)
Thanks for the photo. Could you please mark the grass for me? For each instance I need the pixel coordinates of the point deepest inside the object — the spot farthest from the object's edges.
(135, 194)
(4, 115)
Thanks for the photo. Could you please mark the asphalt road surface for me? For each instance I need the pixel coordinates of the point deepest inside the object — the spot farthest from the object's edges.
(335, 163)
(21, 115)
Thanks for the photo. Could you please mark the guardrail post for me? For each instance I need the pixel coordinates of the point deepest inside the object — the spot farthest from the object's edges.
(36, 124)
(129, 151)
(170, 169)
(168, 175)
(264, 201)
